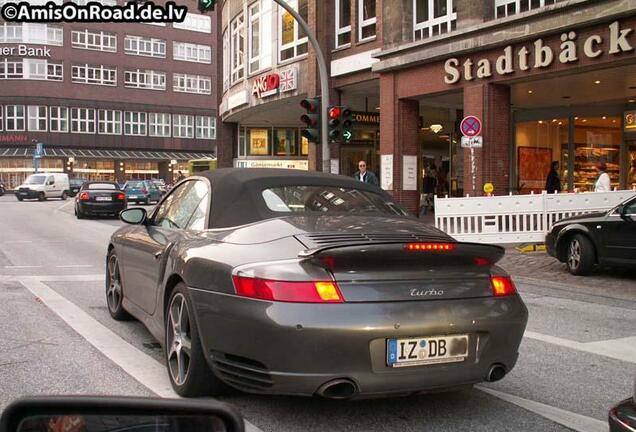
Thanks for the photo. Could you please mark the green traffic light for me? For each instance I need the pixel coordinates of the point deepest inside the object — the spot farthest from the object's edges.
(206, 5)
(347, 135)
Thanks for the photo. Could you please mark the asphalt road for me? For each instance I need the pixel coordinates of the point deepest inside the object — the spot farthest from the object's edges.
(56, 337)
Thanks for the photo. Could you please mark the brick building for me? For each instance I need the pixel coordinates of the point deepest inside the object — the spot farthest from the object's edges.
(550, 81)
(108, 101)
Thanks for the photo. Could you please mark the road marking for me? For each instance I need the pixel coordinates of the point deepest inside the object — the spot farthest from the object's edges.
(21, 267)
(74, 266)
(134, 362)
(568, 419)
(620, 349)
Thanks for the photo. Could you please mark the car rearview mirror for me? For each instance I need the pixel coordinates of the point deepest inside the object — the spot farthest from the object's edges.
(98, 414)
(133, 216)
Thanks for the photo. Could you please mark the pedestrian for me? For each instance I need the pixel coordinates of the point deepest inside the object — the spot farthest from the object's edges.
(603, 183)
(553, 182)
(180, 177)
(364, 175)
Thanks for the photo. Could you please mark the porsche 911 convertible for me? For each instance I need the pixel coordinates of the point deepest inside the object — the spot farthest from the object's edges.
(298, 283)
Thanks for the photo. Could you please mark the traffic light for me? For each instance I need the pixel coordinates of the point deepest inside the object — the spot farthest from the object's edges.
(206, 5)
(347, 124)
(311, 119)
(335, 123)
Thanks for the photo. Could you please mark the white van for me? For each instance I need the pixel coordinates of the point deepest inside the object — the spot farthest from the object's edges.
(43, 186)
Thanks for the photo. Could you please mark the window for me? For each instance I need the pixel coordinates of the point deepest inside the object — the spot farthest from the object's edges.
(323, 199)
(135, 123)
(237, 48)
(145, 79)
(10, 32)
(259, 36)
(183, 126)
(259, 142)
(226, 60)
(292, 39)
(192, 52)
(59, 119)
(184, 83)
(11, 69)
(504, 8)
(32, 33)
(109, 122)
(94, 40)
(14, 118)
(93, 74)
(35, 69)
(185, 208)
(83, 120)
(366, 20)
(159, 124)
(37, 118)
(206, 127)
(343, 23)
(195, 22)
(143, 46)
(433, 17)
(285, 143)
(1, 119)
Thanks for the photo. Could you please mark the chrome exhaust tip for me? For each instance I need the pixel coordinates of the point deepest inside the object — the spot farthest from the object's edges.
(496, 372)
(338, 389)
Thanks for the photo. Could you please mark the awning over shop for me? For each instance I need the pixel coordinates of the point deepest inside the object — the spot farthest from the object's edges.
(27, 152)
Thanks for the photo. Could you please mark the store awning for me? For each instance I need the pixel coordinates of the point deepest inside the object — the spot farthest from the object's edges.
(27, 152)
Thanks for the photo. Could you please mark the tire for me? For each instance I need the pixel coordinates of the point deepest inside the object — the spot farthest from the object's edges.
(115, 290)
(41, 196)
(80, 214)
(581, 255)
(20, 199)
(64, 196)
(189, 373)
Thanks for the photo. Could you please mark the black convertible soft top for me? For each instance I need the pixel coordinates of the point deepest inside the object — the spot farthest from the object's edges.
(236, 192)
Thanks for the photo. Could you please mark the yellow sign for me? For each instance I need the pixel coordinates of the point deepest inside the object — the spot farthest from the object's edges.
(489, 188)
(630, 120)
(259, 142)
(287, 28)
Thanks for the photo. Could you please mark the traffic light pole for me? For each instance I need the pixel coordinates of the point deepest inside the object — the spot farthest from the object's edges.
(324, 85)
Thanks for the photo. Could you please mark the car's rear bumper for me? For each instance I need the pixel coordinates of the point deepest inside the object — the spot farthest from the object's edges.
(289, 348)
(101, 208)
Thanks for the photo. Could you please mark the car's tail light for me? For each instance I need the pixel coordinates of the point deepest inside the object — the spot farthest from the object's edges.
(429, 246)
(144, 191)
(288, 291)
(121, 196)
(84, 196)
(502, 286)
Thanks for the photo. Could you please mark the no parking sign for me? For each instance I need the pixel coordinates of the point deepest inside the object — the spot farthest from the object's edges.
(470, 126)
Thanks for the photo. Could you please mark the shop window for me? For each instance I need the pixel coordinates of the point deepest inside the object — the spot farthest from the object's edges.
(109, 122)
(135, 123)
(366, 20)
(539, 143)
(291, 38)
(504, 8)
(433, 17)
(304, 146)
(631, 160)
(183, 126)
(259, 142)
(237, 48)
(242, 142)
(14, 118)
(37, 118)
(285, 142)
(58, 119)
(343, 23)
(83, 120)
(159, 124)
(596, 140)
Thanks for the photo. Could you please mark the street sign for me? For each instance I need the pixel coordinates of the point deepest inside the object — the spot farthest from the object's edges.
(470, 126)
(39, 150)
(472, 142)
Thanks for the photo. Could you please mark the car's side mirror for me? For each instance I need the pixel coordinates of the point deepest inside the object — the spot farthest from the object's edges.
(133, 216)
(623, 211)
(93, 414)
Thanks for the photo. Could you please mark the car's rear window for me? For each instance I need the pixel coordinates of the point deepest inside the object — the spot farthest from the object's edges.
(323, 199)
(134, 184)
(102, 186)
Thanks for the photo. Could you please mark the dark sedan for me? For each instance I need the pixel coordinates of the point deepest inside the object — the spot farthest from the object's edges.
(75, 186)
(622, 417)
(606, 238)
(99, 199)
(284, 282)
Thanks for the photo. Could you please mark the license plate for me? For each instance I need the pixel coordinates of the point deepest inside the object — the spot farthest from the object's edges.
(132, 197)
(23, 193)
(426, 350)
(103, 198)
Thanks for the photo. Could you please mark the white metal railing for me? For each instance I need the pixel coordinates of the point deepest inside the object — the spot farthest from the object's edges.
(517, 218)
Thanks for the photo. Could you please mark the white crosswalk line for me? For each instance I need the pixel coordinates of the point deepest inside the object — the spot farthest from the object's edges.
(619, 349)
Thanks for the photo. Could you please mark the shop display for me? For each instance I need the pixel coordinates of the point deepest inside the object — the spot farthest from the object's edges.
(588, 157)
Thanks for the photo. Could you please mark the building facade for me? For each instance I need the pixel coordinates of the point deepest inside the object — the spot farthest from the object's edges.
(108, 101)
(549, 80)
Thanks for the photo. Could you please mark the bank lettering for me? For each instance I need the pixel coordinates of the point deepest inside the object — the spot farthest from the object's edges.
(25, 51)
(540, 56)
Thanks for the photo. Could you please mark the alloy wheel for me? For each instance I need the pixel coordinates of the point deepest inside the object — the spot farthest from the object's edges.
(574, 254)
(114, 291)
(179, 339)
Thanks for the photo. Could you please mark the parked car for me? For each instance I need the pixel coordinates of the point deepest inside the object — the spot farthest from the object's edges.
(99, 199)
(161, 185)
(348, 294)
(141, 191)
(2, 189)
(605, 238)
(75, 185)
(622, 417)
(44, 186)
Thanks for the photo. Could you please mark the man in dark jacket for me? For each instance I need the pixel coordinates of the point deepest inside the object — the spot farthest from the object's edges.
(553, 182)
(365, 175)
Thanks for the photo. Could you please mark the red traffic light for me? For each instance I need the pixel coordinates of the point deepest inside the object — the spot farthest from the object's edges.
(335, 112)
(310, 105)
(308, 120)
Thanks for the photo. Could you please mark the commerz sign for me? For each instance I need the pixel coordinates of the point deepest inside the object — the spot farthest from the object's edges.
(539, 55)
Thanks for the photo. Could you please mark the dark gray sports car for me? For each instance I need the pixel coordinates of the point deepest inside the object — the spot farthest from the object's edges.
(283, 282)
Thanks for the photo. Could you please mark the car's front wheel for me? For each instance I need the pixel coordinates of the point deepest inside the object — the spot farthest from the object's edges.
(114, 289)
(64, 196)
(580, 255)
(189, 372)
